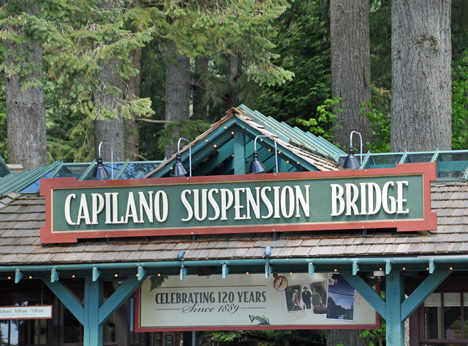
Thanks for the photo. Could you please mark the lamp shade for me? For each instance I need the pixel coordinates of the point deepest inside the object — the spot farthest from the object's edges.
(178, 170)
(100, 171)
(256, 166)
(351, 161)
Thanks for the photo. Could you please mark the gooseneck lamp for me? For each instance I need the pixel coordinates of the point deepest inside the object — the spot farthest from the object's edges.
(100, 171)
(351, 161)
(178, 170)
(256, 166)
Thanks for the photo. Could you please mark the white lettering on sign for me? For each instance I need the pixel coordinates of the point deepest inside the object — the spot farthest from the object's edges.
(237, 204)
(371, 196)
(147, 208)
(247, 203)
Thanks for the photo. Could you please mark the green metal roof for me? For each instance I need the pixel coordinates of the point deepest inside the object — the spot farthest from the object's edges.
(295, 136)
(451, 165)
(4, 170)
(28, 181)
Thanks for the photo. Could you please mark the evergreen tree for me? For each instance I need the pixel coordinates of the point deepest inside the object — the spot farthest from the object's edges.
(26, 118)
(303, 46)
(350, 55)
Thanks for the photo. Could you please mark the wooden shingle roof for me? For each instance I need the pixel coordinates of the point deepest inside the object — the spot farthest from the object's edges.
(22, 215)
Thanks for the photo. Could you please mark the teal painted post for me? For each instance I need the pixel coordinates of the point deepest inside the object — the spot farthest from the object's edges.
(239, 153)
(394, 298)
(93, 331)
(67, 297)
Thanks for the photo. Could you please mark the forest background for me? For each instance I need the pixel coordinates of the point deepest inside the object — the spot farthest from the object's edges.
(167, 69)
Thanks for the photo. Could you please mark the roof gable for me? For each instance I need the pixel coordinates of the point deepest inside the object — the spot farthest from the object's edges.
(227, 148)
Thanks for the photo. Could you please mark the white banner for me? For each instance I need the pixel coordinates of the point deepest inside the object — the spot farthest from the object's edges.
(25, 312)
(251, 302)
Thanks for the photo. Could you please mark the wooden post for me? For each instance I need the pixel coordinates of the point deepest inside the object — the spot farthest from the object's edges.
(394, 298)
(93, 331)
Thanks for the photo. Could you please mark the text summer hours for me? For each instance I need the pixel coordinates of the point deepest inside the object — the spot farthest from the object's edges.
(240, 203)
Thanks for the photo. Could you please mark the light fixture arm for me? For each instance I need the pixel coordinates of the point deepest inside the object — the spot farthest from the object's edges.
(112, 156)
(183, 270)
(190, 152)
(351, 143)
(276, 148)
(268, 268)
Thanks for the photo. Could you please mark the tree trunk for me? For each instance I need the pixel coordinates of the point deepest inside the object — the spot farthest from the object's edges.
(350, 57)
(421, 75)
(232, 97)
(177, 92)
(26, 119)
(200, 107)
(110, 131)
(132, 130)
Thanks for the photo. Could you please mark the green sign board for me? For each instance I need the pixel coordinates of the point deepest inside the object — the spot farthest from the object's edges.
(389, 198)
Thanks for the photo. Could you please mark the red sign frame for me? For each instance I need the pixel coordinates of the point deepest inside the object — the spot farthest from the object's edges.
(427, 223)
(139, 329)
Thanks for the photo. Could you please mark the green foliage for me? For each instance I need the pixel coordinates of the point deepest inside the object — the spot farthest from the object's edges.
(223, 337)
(3, 117)
(294, 337)
(380, 33)
(303, 46)
(376, 337)
(269, 337)
(459, 29)
(78, 49)
(322, 122)
(460, 104)
(239, 27)
(378, 112)
(186, 128)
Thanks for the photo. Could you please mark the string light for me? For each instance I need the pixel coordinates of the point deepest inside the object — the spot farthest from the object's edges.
(247, 273)
(290, 273)
(336, 269)
(73, 276)
(451, 268)
(116, 275)
(9, 278)
(30, 276)
(214, 145)
(159, 274)
(404, 268)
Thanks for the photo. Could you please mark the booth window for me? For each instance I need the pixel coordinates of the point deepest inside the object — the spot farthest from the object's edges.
(445, 319)
(26, 332)
(73, 330)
